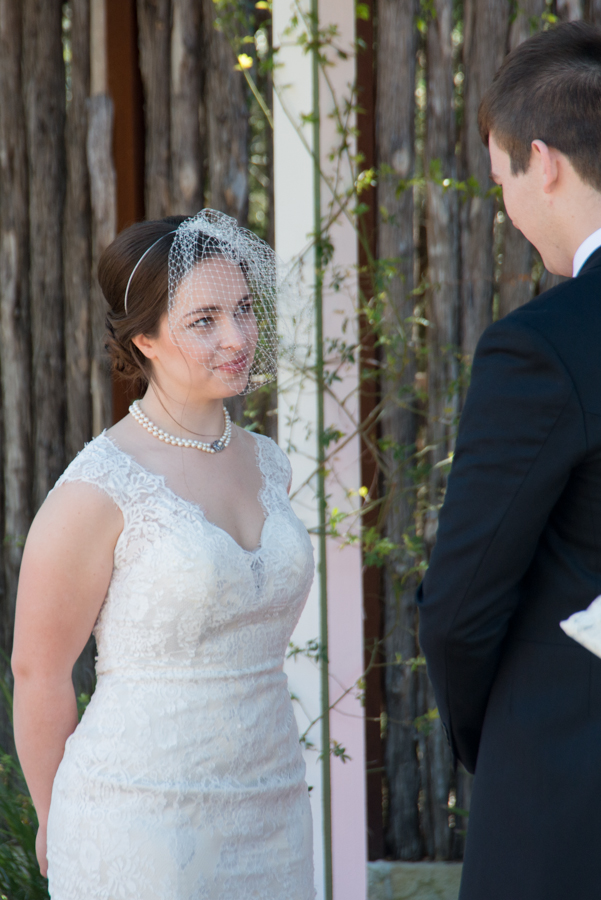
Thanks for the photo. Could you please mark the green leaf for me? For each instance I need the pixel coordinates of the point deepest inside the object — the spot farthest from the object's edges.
(330, 435)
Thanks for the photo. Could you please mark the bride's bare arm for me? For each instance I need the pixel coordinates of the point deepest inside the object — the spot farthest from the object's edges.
(65, 573)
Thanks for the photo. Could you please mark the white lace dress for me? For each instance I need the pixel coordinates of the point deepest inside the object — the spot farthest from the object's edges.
(185, 779)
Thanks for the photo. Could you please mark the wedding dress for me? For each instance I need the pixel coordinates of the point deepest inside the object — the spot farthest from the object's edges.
(184, 779)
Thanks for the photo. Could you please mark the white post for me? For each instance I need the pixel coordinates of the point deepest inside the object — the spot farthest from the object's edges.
(297, 397)
(309, 189)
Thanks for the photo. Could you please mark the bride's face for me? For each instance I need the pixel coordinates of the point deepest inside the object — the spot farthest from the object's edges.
(207, 341)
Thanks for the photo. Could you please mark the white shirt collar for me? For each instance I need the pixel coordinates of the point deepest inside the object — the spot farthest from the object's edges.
(586, 248)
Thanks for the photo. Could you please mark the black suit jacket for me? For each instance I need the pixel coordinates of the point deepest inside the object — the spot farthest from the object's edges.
(519, 549)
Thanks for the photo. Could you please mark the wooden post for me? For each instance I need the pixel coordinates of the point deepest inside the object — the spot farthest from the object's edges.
(187, 151)
(15, 349)
(442, 225)
(396, 149)
(227, 137)
(125, 88)
(226, 121)
(104, 210)
(486, 25)
(593, 12)
(370, 388)
(76, 239)
(442, 230)
(44, 88)
(570, 10)
(516, 285)
(154, 23)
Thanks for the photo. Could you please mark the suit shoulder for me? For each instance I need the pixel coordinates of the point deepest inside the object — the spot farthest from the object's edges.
(515, 335)
(565, 319)
(562, 312)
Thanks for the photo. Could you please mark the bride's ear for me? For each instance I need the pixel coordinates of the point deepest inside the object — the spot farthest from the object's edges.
(145, 345)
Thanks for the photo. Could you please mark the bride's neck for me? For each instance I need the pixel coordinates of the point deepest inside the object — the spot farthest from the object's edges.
(183, 417)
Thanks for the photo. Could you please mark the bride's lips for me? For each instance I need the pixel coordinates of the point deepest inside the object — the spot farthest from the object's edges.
(234, 366)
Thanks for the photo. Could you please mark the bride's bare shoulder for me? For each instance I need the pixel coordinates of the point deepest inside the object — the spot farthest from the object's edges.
(77, 514)
(85, 495)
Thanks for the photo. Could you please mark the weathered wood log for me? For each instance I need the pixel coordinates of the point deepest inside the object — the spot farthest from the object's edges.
(486, 25)
(5, 611)
(438, 780)
(226, 112)
(187, 152)
(442, 228)
(515, 285)
(15, 347)
(154, 30)
(395, 149)
(103, 196)
(369, 400)
(44, 90)
(124, 84)
(570, 10)
(549, 280)
(443, 305)
(77, 262)
(592, 12)
(5, 607)
(77, 239)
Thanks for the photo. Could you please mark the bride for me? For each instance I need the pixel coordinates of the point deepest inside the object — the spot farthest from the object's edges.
(172, 539)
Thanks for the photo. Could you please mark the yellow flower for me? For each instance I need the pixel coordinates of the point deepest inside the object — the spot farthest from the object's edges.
(245, 61)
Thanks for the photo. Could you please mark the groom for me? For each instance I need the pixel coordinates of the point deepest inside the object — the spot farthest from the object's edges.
(519, 539)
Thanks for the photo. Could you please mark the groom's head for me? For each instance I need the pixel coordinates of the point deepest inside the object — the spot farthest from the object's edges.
(541, 119)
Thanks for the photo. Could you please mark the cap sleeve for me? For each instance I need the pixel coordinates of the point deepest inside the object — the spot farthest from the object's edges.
(273, 462)
(100, 465)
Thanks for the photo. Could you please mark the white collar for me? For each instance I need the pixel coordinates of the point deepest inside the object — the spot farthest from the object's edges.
(586, 248)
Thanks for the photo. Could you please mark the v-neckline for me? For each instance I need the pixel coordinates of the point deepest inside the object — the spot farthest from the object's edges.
(196, 506)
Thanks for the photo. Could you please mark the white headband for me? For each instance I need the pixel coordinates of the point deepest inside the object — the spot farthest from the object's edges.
(133, 271)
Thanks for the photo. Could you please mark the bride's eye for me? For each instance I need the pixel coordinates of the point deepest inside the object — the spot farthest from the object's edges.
(246, 307)
(203, 322)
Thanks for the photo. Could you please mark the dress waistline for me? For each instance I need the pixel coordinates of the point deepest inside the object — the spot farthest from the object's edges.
(174, 673)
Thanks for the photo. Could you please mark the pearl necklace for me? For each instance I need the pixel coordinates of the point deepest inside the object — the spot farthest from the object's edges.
(213, 447)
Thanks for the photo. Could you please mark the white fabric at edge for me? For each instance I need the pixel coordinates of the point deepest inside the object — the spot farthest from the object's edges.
(586, 249)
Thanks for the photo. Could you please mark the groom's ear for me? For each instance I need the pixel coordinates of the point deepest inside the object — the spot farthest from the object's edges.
(550, 86)
(545, 158)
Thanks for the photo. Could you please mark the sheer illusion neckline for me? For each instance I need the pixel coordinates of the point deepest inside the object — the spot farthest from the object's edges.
(196, 507)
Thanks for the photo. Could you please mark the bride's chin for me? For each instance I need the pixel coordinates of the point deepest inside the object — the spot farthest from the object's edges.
(233, 384)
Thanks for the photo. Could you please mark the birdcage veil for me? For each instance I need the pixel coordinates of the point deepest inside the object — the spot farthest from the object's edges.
(224, 287)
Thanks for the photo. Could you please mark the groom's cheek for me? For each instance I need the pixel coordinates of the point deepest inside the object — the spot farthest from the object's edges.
(510, 205)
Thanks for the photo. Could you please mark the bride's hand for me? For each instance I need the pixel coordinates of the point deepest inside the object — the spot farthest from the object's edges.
(40, 850)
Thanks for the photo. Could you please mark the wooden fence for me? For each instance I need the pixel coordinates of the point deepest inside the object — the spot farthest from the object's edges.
(111, 110)
(461, 264)
(70, 176)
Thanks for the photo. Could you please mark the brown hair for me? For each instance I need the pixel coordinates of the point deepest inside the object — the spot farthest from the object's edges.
(147, 298)
(549, 89)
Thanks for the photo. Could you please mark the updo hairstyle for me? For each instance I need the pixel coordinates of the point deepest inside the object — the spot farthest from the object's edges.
(147, 299)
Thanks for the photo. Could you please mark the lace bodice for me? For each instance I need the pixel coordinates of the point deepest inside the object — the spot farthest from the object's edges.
(186, 767)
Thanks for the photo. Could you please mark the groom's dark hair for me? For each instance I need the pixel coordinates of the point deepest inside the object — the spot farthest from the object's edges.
(549, 89)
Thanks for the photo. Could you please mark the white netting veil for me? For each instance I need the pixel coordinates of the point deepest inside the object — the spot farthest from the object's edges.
(224, 288)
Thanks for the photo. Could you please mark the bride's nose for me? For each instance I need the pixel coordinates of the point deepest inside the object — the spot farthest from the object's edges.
(232, 337)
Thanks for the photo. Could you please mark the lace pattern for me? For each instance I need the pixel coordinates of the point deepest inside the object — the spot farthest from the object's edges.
(185, 779)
